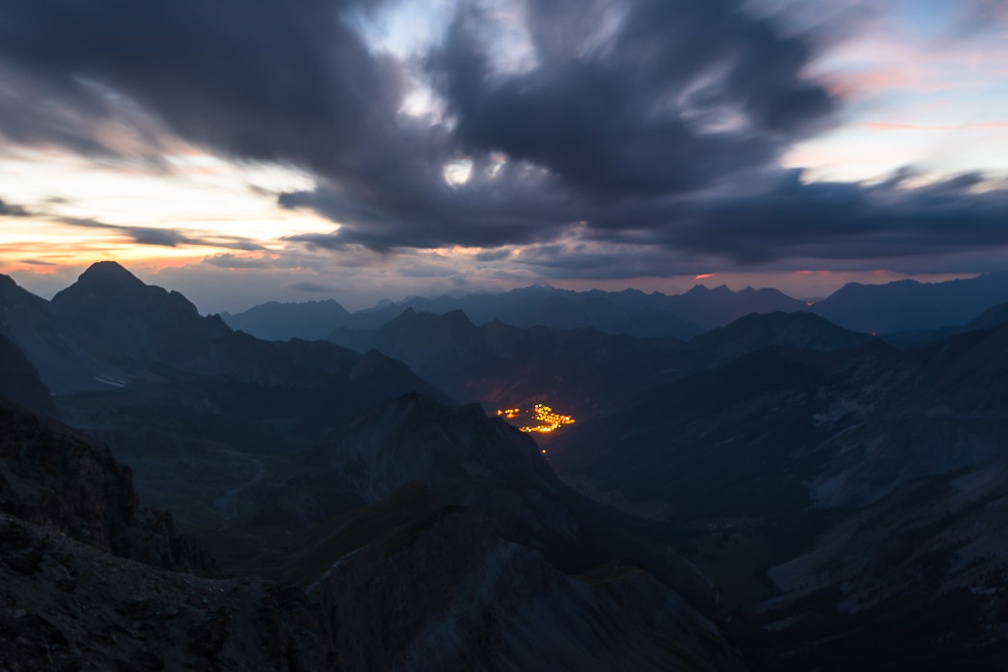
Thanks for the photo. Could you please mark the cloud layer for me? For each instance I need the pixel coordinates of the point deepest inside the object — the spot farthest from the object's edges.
(620, 137)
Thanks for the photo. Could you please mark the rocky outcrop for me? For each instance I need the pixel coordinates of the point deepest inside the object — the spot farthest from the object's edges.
(88, 581)
(53, 477)
(65, 605)
(461, 598)
(455, 598)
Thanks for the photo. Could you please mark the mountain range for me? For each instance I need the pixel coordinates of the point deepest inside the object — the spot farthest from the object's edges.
(864, 482)
(275, 321)
(387, 526)
(905, 305)
(582, 370)
(778, 492)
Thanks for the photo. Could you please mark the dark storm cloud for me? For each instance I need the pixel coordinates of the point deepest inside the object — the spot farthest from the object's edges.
(653, 100)
(56, 108)
(681, 94)
(312, 287)
(845, 221)
(265, 79)
(293, 82)
(626, 129)
(494, 255)
(11, 210)
(228, 260)
(142, 235)
(819, 220)
(498, 205)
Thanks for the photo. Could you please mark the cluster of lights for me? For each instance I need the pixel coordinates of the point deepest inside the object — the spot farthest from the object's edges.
(548, 421)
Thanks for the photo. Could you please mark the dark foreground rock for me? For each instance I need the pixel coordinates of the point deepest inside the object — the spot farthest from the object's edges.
(88, 581)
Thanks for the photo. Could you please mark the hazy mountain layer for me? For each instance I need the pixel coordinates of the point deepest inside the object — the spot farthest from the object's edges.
(908, 304)
(898, 306)
(273, 321)
(502, 366)
(580, 371)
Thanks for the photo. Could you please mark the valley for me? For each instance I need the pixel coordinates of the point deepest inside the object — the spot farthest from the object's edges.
(775, 493)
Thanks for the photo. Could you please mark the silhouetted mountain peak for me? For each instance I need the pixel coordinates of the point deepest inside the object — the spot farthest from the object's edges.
(532, 290)
(109, 272)
(109, 284)
(458, 317)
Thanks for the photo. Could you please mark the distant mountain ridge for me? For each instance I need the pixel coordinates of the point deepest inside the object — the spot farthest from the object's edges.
(755, 331)
(897, 306)
(110, 330)
(274, 321)
(501, 365)
(581, 370)
(908, 304)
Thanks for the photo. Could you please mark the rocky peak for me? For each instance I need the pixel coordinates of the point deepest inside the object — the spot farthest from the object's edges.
(107, 284)
(108, 273)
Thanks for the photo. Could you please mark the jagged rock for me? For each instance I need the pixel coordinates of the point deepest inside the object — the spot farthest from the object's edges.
(51, 476)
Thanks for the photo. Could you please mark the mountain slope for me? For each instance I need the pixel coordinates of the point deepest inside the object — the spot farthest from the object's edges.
(109, 330)
(449, 595)
(465, 459)
(992, 317)
(908, 304)
(868, 483)
(503, 366)
(51, 476)
(20, 382)
(582, 371)
(753, 332)
(273, 321)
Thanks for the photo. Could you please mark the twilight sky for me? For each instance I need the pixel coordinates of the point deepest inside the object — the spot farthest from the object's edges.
(246, 150)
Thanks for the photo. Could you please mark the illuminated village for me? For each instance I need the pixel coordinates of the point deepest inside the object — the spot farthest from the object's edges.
(547, 420)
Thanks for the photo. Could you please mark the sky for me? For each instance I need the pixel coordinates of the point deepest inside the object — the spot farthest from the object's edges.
(250, 150)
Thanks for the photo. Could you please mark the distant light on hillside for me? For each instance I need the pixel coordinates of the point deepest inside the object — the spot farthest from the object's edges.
(545, 419)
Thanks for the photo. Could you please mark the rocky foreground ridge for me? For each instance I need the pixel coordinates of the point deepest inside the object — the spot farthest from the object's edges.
(88, 581)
